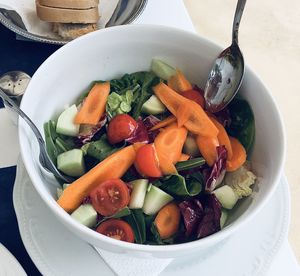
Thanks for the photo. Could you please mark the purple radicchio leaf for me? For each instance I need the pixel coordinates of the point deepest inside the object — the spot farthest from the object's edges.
(87, 132)
(214, 175)
(150, 122)
(192, 213)
(224, 117)
(210, 222)
(199, 89)
(140, 133)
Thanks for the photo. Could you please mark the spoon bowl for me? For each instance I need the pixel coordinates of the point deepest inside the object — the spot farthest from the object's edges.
(227, 73)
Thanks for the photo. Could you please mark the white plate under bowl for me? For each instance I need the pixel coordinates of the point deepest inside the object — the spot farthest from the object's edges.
(8, 264)
(57, 251)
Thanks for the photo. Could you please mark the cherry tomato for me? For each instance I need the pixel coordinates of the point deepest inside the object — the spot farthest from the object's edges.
(146, 161)
(120, 128)
(195, 96)
(116, 229)
(110, 196)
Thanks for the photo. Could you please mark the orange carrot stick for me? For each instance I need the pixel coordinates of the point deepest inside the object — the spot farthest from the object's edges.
(179, 83)
(113, 166)
(167, 220)
(169, 120)
(170, 141)
(94, 105)
(208, 148)
(223, 137)
(198, 122)
(238, 155)
(184, 157)
(165, 164)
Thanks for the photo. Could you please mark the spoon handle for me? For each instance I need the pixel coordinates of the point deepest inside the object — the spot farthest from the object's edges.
(15, 108)
(237, 19)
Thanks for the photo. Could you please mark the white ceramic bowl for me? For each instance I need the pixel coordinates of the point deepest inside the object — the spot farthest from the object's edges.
(114, 51)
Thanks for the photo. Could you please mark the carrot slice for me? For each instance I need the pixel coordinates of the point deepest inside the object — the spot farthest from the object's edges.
(208, 148)
(238, 155)
(183, 114)
(167, 220)
(198, 122)
(94, 105)
(179, 83)
(170, 141)
(165, 164)
(169, 120)
(223, 137)
(113, 166)
(184, 157)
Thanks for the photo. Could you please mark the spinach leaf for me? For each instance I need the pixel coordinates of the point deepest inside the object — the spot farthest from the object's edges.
(64, 144)
(137, 221)
(122, 213)
(242, 126)
(50, 136)
(190, 164)
(157, 238)
(125, 82)
(148, 80)
(177, 185)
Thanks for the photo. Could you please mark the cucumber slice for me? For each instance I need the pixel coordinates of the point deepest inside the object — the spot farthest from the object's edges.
(226, 196)
(86, 215)
(155, 199)
(65, 123)
(153, 106)
(59, 192)
(138, 193)
(71, 162)
(224, 216)
(190, 146)
(162, 69)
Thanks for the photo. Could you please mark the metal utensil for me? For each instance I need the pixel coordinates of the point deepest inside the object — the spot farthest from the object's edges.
(43, 156)
(227, 73)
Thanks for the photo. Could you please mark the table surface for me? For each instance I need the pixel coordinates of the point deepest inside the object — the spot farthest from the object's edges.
(270, 39)
(27, 56)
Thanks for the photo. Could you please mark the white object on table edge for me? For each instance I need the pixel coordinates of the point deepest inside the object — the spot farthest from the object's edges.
(178, 17)
(8, 263)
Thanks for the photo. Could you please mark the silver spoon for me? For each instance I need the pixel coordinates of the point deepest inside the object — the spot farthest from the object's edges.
(227, 73)
(43, 156)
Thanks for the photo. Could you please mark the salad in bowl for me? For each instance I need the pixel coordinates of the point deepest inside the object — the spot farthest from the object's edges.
(150, 164)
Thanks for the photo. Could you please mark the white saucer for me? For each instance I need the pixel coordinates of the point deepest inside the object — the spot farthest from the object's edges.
(56, 251)
(8, 264)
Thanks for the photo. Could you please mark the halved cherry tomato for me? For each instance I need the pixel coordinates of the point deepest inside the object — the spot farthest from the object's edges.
(116, 229)
(195, 96)
(146, 161)
(110, 196)
(120, 128)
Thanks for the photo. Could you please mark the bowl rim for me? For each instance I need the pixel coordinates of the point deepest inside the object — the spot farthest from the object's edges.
(65, 218)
